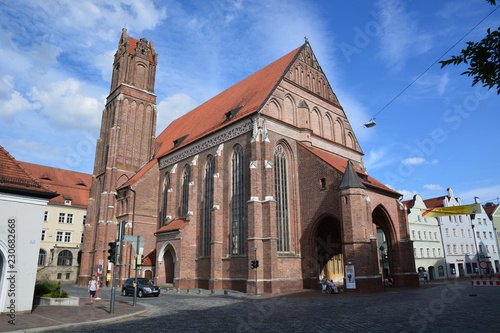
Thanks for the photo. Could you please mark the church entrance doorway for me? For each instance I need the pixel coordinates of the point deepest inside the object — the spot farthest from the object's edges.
(383, 227)
(169, 263)
(329, 250)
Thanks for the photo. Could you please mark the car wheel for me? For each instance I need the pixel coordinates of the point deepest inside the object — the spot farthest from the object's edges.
(140, 293)
(124, 292)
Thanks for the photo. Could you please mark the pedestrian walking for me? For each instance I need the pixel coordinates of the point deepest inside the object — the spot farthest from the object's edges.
(425, 276)
(92, 288)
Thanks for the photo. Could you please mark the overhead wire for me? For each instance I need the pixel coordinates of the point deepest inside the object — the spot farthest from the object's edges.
(435, 62)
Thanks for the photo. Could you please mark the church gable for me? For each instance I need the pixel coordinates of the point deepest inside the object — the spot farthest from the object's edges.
(305, 100)
(307, 73)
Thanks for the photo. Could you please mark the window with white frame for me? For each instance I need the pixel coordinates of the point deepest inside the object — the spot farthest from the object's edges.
(428, 252)
(425, 234)
(454, 232)
(478, 234)
(448, 248)
(81, 238)
(468, 233)
(413, 234)
(461, 248)
(59, 236)
(487, 249)
(463, 233)
(491, 234)
(447, 232)
(454, 249)
(43, 234)
(434, 252)
(69, 218)
(485, 234)
(439, 252)
(62, 216)
(45, 216)
(467, 248)
(67, 237)
(421, 252)
(481, 249)
(84, 219)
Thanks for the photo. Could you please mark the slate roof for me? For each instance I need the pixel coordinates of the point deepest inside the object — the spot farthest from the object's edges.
(15, 179)
(69, 184)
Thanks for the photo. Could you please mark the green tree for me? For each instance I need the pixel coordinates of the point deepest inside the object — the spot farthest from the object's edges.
(483, 59)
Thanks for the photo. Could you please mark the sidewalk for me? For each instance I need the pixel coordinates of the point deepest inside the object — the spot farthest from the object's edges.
(50, 318)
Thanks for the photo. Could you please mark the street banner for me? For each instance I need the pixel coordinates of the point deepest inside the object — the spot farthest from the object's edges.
(454, 210)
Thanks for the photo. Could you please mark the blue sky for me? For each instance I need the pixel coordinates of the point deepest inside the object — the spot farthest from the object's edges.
(434, 130)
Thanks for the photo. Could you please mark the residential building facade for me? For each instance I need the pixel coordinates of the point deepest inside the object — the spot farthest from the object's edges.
(63, 221)
(427, 240)
(486, 242)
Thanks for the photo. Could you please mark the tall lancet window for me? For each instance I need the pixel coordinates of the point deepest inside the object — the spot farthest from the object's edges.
(166, 186)
(208, 203)
(186, 178)
(237, 202)
(281, 188)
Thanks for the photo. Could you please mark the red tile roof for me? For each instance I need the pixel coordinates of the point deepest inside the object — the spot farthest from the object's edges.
(435, 202)
(15, 179)
(489, 210)
(341, 164)
(250, 94)
(133, 45)
(149, 259)
(174, 225)
(69, 184)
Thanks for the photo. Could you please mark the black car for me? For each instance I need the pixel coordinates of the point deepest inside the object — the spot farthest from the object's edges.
(144, 288)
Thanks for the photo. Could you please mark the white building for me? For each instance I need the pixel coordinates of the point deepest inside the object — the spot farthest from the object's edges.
(22, 205)
(486, 242)
(427, 241)
(458, 237)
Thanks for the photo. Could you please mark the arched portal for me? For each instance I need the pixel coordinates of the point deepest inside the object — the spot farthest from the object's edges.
(329, 250)
(385, 231)
(169, 264)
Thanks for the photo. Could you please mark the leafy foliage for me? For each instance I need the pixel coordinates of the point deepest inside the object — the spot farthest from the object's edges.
(483, 59)
(50, 289)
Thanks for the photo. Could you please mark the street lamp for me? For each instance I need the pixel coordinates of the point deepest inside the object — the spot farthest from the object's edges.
(382, 258)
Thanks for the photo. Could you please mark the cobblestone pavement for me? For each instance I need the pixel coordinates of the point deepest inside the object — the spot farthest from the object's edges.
(436, 307)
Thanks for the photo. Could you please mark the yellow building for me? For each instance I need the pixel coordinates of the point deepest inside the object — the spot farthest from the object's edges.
(63, 221)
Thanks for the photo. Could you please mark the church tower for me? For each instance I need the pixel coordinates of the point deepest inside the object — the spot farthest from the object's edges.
(126, 143)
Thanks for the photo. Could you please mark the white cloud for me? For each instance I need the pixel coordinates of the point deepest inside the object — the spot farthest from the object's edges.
(172, 108)
(402, 36)
(67, 105)
(407, 195)
(11, 101)
(376, 159)
(413, 160)
(433, 187)
(485, 194)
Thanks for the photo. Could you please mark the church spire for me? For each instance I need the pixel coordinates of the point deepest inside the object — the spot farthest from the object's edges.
(350, 179)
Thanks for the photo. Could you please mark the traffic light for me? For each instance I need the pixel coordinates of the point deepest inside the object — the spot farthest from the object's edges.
(112, 252)
(255, 264)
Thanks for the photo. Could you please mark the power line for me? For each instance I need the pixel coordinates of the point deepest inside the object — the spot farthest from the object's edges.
(428, 68)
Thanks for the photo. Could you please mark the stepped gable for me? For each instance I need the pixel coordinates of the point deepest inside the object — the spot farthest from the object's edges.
(341, 164)
(71, 185)
(15, 179)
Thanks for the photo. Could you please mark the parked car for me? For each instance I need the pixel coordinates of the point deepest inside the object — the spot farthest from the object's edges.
(144, 288)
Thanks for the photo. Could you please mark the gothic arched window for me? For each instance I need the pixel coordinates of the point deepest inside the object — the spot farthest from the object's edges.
(208, 202)
(65, 258)
(281, 191)
(166, 186)
(186, 178)
(237, 202)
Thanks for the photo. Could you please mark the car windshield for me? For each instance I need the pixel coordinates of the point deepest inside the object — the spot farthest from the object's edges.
(145, 282)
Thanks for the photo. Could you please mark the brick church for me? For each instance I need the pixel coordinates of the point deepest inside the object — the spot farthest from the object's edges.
(269, 170)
